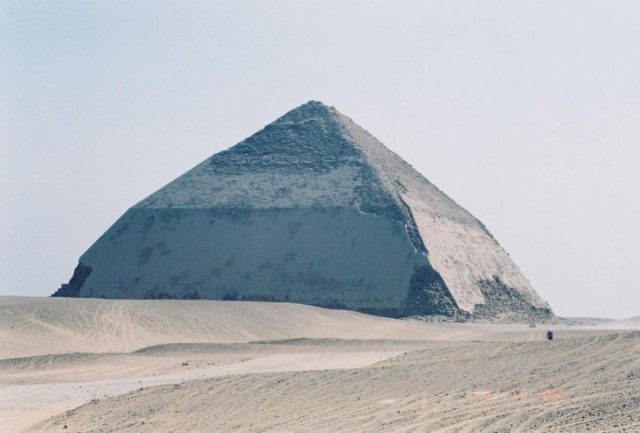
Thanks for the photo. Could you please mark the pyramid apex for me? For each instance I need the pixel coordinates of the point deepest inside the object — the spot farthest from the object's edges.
(313, 102)
(314, 105)
(308, 110)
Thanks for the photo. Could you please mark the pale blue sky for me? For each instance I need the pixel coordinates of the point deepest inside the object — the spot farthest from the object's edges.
(526, 113)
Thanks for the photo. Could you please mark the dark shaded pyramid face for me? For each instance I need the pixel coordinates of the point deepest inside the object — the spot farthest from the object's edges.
(311, 209)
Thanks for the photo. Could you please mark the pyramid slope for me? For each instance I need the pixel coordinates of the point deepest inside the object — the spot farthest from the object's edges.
(310, 209)
(460, 248)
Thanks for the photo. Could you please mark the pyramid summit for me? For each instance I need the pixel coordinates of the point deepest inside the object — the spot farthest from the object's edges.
(311, 209)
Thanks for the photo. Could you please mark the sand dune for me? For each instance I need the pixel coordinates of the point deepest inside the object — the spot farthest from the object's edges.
(35, 326)
(38, 326)
(145, 366)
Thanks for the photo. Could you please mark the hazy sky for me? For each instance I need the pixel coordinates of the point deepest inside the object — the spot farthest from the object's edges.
(527, 113)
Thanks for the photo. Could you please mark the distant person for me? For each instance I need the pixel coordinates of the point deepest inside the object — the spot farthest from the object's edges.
(549, 335)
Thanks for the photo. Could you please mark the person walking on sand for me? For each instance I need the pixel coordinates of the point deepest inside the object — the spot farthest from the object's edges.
(549, 335)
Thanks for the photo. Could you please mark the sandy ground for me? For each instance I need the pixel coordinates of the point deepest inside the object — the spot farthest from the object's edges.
(85, 365)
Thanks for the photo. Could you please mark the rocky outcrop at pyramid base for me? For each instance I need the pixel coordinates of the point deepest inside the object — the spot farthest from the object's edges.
(72, 289)
(503, 301)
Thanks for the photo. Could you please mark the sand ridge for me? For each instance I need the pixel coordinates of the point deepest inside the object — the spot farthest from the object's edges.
(37, 326)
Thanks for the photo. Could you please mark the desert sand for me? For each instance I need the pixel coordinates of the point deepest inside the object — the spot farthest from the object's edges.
(88, 365)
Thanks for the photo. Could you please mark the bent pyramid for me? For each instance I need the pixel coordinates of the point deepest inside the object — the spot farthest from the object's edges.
(311, 209)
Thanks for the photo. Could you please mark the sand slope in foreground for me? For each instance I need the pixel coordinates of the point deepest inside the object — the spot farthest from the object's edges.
(572, 385)
(201, 366)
